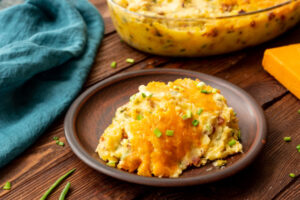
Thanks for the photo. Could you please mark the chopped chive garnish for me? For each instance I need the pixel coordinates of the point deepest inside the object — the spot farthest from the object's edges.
(111, 163)
(200, 110)
(130, 60)
(113, 64)
(299, 111)
(231, 142)
(139, 117)
(55, 138)
(287, 139)
(292, 175)
(157, 132)
(7, 186)
(57, 182)
(61, 143)
(176, 87)
(208, 127)
(64, 193)
(187, 115)
(200, 85)
(205, 91)
(239, 134)
(144, 95)
(132, 97)
(195, 122)
(234, 113)
(214, 90)
(169, 132)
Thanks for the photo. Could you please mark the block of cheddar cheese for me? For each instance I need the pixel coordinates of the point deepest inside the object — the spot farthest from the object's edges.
(283, 63)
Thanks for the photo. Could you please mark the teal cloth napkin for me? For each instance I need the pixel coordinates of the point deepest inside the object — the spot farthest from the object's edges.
(47, 48)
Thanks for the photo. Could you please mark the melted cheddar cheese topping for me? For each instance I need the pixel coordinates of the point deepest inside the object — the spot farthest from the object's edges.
(167, 127)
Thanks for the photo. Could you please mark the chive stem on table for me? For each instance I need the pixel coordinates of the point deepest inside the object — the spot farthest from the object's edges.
(287, 139)
(130, 60)
(57, 182)
(298, 148)
(299, 111)
(55, 138)
(61, 143)
(292, 175)
(65, 191)
(113, 64)
(7, 186)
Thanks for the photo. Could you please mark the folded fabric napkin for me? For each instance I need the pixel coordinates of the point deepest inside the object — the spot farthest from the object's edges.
(46, 50)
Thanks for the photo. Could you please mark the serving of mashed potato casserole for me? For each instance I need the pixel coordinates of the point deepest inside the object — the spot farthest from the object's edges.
(165, 128)
(201, 27)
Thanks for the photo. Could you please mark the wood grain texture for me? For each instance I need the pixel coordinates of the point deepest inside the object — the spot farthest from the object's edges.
(39, 166)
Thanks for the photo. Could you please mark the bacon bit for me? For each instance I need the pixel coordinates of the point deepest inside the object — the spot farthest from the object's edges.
(214, 129)
(231, 29)
(124, 134)
(102, 139)
(282, 17)
(196, 161)
(271, 16)
(227, 7)
(242, 11)
(213, 33)
(220, 120)
(253, 24)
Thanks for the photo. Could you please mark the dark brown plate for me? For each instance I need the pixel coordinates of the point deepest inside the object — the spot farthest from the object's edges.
(93, 111)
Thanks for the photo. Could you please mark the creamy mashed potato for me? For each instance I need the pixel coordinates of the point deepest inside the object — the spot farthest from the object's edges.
(200, 27)
(165, 128)
(196, 8)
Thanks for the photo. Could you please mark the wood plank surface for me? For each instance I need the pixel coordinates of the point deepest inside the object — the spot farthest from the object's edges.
(266, 178)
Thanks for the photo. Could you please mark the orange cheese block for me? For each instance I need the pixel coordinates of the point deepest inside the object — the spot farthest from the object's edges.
(284, 64)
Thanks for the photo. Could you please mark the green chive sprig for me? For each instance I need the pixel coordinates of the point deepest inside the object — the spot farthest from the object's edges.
(7, 186)
(57, 182)
(292, 175)
(139, 117)
(187, 115)
(157, 133)
(199, 111)
(169, 132)
(231, 142)
(287, 139)
(130, 60)
(195, 122)
(65, 191)
(205, 91)
(113, 64)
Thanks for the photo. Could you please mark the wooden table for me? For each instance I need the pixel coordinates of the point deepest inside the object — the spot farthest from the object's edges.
(32, 173)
